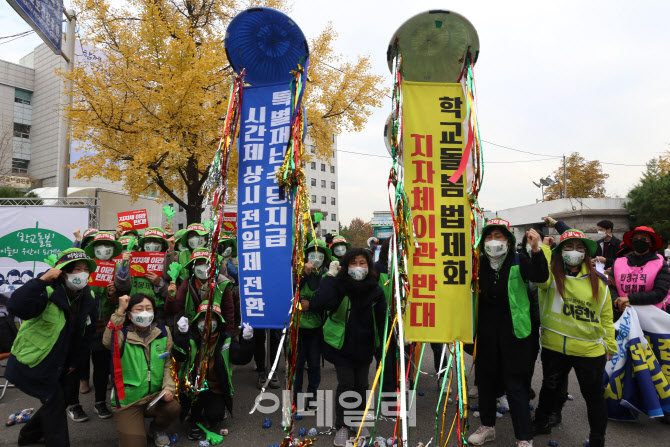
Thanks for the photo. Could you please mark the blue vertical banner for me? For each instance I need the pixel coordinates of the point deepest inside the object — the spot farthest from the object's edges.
(265, 224)
(45, 17)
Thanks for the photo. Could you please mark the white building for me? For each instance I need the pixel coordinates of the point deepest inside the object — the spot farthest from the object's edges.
(323, 186)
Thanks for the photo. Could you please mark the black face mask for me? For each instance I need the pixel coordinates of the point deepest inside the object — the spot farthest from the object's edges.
(641, 246)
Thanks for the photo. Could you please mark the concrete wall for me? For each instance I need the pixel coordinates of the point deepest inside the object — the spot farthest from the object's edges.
(318, 193)
(13, 76)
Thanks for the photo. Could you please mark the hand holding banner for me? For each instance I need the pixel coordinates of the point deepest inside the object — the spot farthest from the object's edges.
(144, 262)
(103, 275)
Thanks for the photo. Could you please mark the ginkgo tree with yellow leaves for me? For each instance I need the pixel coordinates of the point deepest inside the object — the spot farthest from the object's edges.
(585, 178)
(148, 112)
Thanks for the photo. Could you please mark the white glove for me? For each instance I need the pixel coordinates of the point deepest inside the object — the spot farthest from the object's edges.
(334, 268)
(247, 332)
(182, 325)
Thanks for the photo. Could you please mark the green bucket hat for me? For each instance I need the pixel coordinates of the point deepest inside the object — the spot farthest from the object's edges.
(154, 233)
(228, 241)
(573, 234)
(107, 237)
(125, 240)
(73, 255)
(337, 239)
(199, 228)
(202, 308)
(501, 224)
(88, 235)
(319, 245)
(198, 253)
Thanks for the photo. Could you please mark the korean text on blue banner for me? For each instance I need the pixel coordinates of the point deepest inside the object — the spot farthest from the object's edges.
(45, 17)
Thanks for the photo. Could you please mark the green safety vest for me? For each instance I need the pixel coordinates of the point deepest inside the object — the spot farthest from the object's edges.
(383, 277)
(519, 303)
(142, 376)
(37, 336)
(190, 309)
(225, 352)
(309, 319)
(336, 322)
(142, 285)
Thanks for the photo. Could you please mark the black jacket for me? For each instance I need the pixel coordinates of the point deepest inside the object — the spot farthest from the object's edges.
(613, 247)
(72, 346)
(498, 349)
(661, 284)
(366, 297)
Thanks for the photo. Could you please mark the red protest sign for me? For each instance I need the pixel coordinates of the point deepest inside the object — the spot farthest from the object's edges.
(103, 275)
(144, 262)
(230, 222)
(133, 220)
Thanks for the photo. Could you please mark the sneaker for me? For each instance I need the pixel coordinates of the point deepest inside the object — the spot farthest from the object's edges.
(341, 437)
(524, 443)
(262, 378)
(194, 433)
(473, 392)
(161, 438)
(274, 382)
(101, 410)
(77, 413)
(502, 402)
(84, 387)
(482, 435)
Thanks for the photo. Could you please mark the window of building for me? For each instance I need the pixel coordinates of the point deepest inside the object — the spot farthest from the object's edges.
(323, 200)
(324, 232)
(332, 169)
(332, 185)
(304, 164)
(323, 183)
(313, 166)
(313, 182)
(313, 198)
(20, 166)
(332, 200)
(333, 217)
(181, 209)
(323, 167)
(21, 130)
(181, 226)
(22, 96)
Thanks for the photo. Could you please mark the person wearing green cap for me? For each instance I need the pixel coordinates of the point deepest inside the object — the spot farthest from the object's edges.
(194, 236)
(338, 247)
(58, 312)
(317, 257)
(192, 292)
(577, 332)
(227, 249)
(504, 346)
(152, 285)
(80, 241)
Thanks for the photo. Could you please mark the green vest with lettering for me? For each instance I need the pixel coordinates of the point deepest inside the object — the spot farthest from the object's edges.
(309, 319)
(225, 353)
(142, 285)
(336, 322)
(37, 336)
(190, 309)
(142, 376)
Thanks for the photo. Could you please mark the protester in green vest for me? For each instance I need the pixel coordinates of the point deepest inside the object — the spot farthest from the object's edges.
(227, 249)
(338, 247)
(153, 285)
(193, 237)
(577, 332)
(58, 312)
(177, 237)
(504, 347)
(210, 405)
(140, 347)
(103, 247)
(195, 290)
(317, 257)
(355, 310)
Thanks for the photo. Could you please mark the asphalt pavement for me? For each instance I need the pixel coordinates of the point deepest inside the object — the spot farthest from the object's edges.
(246, 429)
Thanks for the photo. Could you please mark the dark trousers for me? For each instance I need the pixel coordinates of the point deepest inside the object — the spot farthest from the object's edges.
(589, 372)
(101, 360)
(309, 350)
(516, 387)
(50, 421)
(390, 377)
(351, 379)
(209, 407)
(260, 335)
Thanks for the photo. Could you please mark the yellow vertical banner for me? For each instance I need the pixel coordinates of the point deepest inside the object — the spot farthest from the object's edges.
(439, 305)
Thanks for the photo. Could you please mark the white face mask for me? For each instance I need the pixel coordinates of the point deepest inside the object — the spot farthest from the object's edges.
(181, 248)
(76, 281)
(202, 271)
(201, 326)
(104, 252)
(152, 246)
(339, 250)
(358, 273)
(316, 259)
(573, 257)
(227, 252)
(142, 319)
(495, 249)
(667, 252)
(601, 234)
(196, 241)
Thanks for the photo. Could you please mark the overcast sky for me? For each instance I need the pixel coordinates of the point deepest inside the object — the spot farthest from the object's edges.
(552, 78)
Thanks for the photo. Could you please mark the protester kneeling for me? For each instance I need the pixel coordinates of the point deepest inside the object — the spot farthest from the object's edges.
(141, 349)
